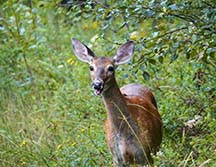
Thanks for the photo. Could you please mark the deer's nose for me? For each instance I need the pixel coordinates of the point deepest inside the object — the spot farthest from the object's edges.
(98, 84)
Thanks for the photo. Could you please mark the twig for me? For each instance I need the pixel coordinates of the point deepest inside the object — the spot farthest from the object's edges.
(205, 162)
(167, 33)
(102, 4)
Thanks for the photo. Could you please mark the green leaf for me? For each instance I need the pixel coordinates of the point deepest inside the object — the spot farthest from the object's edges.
(146, 75)
(173, 7)
(161, 58)
(152, 61)
(194, 38)
(173, 57)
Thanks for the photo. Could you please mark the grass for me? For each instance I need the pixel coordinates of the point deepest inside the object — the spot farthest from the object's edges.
(54, 131)
(61, 124)
(50, 117)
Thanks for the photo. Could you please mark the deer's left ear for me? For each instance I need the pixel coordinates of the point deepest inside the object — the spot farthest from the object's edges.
(82, 51)
(124, 53)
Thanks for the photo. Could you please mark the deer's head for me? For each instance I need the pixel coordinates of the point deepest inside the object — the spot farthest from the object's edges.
(102, 69)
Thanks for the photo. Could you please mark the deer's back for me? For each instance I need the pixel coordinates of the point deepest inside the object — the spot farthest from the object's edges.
(138, 91)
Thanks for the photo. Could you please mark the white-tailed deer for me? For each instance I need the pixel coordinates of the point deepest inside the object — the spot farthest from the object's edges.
(133, 127)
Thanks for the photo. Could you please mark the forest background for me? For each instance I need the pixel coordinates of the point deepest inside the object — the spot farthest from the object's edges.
(49, 115)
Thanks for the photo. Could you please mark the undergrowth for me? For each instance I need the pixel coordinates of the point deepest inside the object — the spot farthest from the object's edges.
(50, 116)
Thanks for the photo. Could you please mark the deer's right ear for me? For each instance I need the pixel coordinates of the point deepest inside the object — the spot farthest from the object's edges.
(124, 53)
(82, 51)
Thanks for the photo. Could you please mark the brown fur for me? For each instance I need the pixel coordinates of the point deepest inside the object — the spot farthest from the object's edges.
(143, 110)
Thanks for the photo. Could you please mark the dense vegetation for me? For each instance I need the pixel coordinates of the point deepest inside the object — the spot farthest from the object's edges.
(49, 115)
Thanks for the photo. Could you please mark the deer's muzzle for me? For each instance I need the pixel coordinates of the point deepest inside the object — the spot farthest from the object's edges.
(98, 86)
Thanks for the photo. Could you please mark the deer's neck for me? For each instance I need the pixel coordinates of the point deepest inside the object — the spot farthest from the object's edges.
(116, 107)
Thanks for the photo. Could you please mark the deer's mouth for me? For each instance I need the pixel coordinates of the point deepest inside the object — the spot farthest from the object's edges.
(98, 91)
(98, 87)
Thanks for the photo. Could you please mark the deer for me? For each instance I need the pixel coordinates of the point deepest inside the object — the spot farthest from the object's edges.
(133, 126)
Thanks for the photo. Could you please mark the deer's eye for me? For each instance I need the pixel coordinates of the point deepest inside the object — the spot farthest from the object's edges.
(91, 68)
(110, 69)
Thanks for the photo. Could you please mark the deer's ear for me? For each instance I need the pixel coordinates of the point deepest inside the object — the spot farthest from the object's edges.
(124, 53)
(82, 51)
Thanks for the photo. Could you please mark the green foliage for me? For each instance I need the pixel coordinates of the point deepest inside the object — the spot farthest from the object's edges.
(162, 28)
(48, 113)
